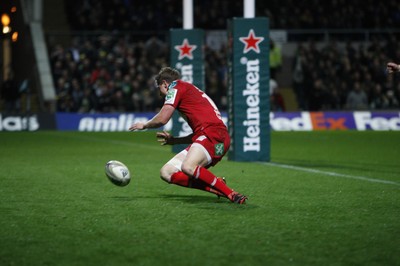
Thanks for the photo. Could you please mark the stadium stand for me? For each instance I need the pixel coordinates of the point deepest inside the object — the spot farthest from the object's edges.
(119, 45)
(212, 14)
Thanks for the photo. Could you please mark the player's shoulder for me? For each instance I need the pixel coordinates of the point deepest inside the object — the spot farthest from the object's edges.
(174, 89)
(179, 84)
(176, 84)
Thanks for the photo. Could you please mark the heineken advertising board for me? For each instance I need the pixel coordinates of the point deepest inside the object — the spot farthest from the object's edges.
(248, 91)
(186, 56)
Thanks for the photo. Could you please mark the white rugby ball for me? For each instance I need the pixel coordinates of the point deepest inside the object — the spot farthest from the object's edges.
(118, 173)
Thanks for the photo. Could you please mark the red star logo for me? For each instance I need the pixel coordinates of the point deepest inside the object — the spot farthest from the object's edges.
(185, 50)
(251, 42)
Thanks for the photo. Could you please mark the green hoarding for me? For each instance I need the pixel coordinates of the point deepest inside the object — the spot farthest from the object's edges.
(186, 53)
(248, 92)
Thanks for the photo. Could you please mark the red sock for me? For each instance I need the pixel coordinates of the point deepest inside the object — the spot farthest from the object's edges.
(211, 180)
(181, 179)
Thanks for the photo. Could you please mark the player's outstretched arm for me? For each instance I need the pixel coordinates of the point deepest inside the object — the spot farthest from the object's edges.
(392, 67)
(158, 120)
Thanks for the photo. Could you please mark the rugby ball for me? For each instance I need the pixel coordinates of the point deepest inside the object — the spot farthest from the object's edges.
(118, 173)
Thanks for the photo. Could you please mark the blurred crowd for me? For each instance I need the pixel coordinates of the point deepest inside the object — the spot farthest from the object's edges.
(105, 74)
(113, 71)
(211, 14)
(350, 77)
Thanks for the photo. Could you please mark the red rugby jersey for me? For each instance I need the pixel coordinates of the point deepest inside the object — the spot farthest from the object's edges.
(195, 106)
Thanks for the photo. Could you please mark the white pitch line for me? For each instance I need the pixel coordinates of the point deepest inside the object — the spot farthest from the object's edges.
(292, 167)
(315, 171)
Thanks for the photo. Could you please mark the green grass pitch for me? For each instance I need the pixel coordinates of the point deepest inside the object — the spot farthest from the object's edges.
(327, 198)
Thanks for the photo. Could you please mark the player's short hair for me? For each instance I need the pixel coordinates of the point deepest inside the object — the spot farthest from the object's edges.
(168, 74)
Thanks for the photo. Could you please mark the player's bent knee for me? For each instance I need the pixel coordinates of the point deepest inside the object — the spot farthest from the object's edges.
(166, 172)
(188, 169)
(171, 167)
(164, 175)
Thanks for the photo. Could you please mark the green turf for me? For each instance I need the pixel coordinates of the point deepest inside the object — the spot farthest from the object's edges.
(324, 201)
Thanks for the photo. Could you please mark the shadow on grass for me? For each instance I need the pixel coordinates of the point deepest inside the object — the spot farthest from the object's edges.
(208, 202)
(201, 201)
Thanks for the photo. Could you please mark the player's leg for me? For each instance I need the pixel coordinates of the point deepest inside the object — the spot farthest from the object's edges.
(171, 172)
(195, 164)
(174, 166)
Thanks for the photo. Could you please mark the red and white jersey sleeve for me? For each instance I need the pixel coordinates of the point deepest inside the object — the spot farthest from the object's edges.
(195, 106)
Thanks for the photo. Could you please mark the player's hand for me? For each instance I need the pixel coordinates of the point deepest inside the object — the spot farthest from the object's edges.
(165, 138)
(392, 67)
(137, 126)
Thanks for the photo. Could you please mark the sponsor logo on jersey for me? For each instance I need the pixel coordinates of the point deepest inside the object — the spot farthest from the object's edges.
(171, 95)
(219, 149)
